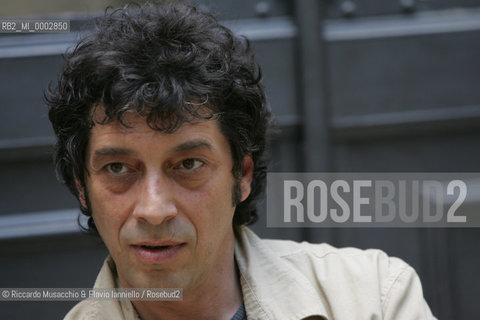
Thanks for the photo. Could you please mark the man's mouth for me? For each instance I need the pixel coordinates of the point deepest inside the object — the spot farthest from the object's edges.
(155, 247)
(155, 254)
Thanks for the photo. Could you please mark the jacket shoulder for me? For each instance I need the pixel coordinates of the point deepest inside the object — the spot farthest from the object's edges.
(350, 273)
(323, 255)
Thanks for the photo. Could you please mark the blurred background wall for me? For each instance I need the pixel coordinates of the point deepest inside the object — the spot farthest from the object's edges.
(356, 86)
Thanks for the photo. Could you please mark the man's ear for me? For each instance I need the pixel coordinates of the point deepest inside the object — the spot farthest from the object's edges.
(81, 193)
(247, 176)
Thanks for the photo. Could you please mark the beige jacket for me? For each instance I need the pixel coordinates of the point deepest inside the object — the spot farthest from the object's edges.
(290, 280)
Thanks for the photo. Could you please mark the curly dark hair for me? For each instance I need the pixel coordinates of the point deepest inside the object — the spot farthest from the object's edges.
(166, 63)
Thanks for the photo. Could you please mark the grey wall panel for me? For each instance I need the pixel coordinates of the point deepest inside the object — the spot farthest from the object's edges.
(53, 258)
(23, 80)
(405, 73)
(283, 157)
(232, 9)
(277, 59)
(31, 185)
(363, 8)
(455, 153)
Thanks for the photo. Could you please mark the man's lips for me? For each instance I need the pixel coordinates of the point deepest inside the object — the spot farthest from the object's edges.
(157, 252)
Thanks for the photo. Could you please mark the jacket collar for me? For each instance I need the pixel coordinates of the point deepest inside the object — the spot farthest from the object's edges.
(271, 288)
(108, 278)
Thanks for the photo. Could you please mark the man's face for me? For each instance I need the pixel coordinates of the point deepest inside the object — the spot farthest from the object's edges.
(161, 202)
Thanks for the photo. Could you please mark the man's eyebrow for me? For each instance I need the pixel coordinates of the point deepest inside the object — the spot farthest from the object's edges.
(190, 145)
(112, 151)
(118, 151)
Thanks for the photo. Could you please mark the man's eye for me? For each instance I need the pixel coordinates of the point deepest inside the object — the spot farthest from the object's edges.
(191, 164)
(117, 168)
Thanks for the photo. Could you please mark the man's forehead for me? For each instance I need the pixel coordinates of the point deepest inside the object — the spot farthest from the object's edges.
(134, 127)
(138, 126)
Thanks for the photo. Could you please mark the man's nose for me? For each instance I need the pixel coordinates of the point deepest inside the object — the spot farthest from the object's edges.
(156, 202)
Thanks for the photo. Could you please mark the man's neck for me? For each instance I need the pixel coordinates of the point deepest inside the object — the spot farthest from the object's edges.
(218, 297)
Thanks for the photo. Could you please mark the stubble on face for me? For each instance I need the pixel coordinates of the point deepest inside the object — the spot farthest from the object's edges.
(201, 221)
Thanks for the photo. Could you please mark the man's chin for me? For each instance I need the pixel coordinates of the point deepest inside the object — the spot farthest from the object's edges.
(153, 276)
